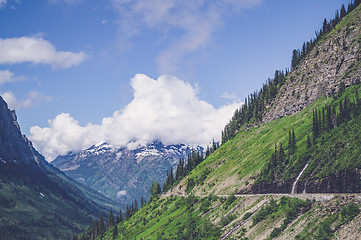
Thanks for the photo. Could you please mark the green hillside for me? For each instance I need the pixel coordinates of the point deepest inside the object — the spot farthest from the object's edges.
(312, 125)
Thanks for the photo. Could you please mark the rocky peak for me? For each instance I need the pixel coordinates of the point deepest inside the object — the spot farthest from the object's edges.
(14, 147)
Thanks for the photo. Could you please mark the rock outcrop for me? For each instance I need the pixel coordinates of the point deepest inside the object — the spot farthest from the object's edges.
(14, 147)
(335, 59)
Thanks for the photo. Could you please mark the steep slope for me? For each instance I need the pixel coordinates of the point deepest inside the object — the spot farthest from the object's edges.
(236, 166)
(310, 141)
(335, 59)
(35, 203)
(119, 173)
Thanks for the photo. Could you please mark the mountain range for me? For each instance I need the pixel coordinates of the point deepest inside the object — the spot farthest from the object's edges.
(288, 166)
(122, 174)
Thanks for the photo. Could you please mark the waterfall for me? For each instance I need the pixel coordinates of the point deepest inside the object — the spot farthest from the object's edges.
(294, 190)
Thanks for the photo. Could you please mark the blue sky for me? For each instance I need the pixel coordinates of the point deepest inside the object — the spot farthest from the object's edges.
(75, 63)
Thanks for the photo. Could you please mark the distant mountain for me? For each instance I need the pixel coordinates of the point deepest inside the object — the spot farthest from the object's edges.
(120, 173)
(37, 201)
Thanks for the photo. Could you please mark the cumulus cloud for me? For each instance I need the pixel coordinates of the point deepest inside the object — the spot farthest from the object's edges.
(33, 98)
(7, 76)
(166, 109)
(36, 50)
(193, 21)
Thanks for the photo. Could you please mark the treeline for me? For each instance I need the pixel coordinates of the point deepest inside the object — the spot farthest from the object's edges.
(334, 115)
(254, 106)
(299, 54)
(184, 168)
(13, 231)
(340, 111)
(99, 227)
(275, 167)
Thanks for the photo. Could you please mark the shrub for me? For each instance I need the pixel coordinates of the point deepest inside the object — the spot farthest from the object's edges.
(247, 215)
(349, 212)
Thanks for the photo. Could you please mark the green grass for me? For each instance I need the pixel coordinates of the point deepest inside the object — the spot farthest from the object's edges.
(247, 154)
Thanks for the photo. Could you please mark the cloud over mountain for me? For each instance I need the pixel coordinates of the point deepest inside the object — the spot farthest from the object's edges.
(167, 109)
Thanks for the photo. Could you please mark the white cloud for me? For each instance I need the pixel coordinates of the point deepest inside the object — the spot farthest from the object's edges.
(38, 51)
(227, 95)
(165, 109)
(190, 23)
(7, 76)
(33, 98)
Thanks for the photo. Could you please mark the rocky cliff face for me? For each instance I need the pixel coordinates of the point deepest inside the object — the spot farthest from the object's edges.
(335, 58)
(14, 147)
(120, 173)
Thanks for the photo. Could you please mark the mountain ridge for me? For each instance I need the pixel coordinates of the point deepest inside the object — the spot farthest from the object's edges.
(122, 174)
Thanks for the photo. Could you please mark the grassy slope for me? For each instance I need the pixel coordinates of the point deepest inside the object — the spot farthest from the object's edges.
(236, 165)
(246, 154)
(287, 218)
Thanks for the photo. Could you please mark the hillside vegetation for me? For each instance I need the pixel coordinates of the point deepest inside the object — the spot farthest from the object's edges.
(308, 138)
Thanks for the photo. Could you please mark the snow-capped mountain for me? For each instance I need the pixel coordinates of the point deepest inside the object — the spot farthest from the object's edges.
(120, 173)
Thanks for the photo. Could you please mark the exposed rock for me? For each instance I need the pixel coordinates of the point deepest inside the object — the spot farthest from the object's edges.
(334, 59)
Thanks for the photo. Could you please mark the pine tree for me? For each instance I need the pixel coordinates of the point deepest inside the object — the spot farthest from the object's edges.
(155, 190)
(101, 225)
(110, 221)
(289, 143)
(325, 26)
(171, 176)
(295, 58)
(309, 145)
(340, 116)
(115, 231)
(294, 145)
(127, 213)
(141, 202)
(281, 155)
(315, 125)
(329, 118)
(135, 206)
(120, 215)
(343, 11)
